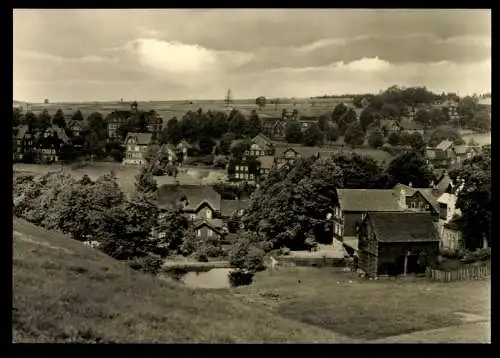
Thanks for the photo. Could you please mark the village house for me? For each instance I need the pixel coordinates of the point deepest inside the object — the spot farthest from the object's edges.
(200, 204)
(410, 126)
(395, 243)
(114, 121)
(464, 152)
(266, 164)
(25, 142)
(182, 151)
(231, 212)
(77, 126)
(420, 199)
(449, 223)
(274, 128)
(437, 159)
(261, 146)
(136, 146)
(353, 204)
(49, 143)
(389, 126)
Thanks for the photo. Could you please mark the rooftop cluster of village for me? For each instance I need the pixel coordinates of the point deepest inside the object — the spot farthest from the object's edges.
(387, 170)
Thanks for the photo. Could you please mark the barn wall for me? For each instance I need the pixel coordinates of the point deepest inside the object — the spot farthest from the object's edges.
(390, 253)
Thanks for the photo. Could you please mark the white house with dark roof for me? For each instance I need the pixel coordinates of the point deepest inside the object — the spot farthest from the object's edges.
(136, 146)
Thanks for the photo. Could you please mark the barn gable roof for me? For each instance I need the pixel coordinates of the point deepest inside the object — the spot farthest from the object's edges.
(368, 200)
(403, 227)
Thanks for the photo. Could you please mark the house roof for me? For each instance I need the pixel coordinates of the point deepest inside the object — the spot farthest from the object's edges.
(262, 140)
(364, 200)
(61, 134)
(403, 227)
(447, 198)
(435, 154)
(142, 138)
(120, 114)
(23, 129)
(266, 162)
(444, 145)
(227, 207)
(171, 195)
(427, 193)
(410, 125)
(443, 183)
(463, 149)
(215, 224)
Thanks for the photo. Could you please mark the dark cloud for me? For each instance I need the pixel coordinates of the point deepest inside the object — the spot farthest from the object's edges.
(201, 52)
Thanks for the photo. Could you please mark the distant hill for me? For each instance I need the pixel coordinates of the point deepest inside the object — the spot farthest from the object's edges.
(66, 292)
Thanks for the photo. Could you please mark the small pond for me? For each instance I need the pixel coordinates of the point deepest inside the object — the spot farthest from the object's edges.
(215, 278)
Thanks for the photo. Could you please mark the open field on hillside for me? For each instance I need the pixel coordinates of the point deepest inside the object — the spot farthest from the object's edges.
(364, 309)
(169, 109)
(125, 174)
(65, 292)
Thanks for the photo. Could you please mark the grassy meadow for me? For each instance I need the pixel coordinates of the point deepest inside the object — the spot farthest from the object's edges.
(366, 310)
(66, 292)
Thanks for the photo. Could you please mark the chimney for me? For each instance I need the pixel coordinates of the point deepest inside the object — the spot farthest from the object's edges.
(432, 185)
(402, 198)
(410, 185)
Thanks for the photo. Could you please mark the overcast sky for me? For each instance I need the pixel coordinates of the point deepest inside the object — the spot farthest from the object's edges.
(101, 55)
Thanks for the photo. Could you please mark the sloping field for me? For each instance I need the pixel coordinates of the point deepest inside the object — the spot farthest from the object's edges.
(65, 292)
(169, 109)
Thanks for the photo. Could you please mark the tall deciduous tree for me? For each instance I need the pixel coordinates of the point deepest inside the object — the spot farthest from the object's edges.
(411, 167)
(59, 119)
(312, 135)
(473, 183)
(145, 182)
(293, 132)
(354, 135)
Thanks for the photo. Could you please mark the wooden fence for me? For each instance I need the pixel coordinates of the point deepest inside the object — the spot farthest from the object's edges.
(466, 272)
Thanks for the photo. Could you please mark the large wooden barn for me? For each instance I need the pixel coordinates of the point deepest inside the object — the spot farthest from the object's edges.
(395, 243)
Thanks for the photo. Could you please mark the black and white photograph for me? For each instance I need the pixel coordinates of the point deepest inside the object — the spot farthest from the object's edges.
(251, 176)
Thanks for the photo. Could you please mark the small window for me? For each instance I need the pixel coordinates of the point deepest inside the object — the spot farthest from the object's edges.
(210, 233)
(161, 235)
(198, 232)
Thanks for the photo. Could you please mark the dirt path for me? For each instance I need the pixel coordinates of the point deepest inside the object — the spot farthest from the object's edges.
(478, 332)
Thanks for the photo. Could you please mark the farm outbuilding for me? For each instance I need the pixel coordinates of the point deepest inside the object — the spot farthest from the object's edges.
(395, 243)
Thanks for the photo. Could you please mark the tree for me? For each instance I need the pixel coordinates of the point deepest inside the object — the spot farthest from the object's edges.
(390, 111)
(445, 133)
(77, 116)
(145, 183)
(354, 135)
(17, 116)
(323, 123)
(473, 183)
(437, 117)
(466, 110)
(367, 117)
(293, 132)
(339, 110)
(31, 120)
(312, 135)
(416, 141)
(332, 133)
(360, 172)
(376, 138)
(347, 119)
(395, 139)
(174, 225)
(59, 119)
(260, 102)
(423, 117)
(43, 120)
(173, 133)
(237, 124)
(411, 167)
(206, 145)
(481, 122)
(254, 125)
